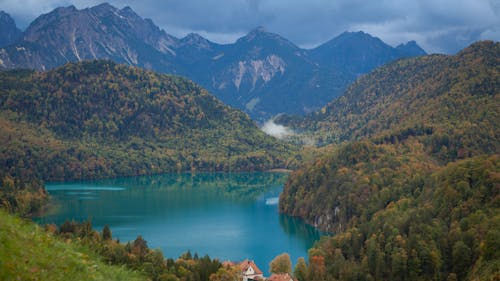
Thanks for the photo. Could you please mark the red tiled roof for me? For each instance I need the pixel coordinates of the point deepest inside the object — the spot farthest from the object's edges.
(244, 265)
(280, 277)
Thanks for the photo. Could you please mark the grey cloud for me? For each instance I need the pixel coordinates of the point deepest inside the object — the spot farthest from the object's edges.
(439, 26)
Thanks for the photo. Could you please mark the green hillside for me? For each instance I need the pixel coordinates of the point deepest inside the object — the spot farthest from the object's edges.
(453, 95)
(100, 119)
(412, 192)
(30, 253)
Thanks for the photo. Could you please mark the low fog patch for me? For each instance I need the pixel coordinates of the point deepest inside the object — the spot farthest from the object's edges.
(276, 130)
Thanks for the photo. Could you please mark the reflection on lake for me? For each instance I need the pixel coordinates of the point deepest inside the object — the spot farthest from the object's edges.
(229, 216)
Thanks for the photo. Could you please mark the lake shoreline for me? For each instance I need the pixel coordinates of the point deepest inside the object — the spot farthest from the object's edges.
(207, 213)
(280, 170)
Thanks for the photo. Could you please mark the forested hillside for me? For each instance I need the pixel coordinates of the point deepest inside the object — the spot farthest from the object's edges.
(412, 192)
(437, 92)
(100, 119)
(444, 226)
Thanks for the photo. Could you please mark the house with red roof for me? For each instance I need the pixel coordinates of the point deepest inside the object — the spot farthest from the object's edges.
(250, 271)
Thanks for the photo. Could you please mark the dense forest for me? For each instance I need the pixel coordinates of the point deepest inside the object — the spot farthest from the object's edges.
(100, 119)
(410, 187)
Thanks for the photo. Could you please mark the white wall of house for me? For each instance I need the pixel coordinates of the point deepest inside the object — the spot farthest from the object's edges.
(250, 274)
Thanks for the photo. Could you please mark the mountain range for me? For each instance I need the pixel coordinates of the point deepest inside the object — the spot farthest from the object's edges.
(261, 73)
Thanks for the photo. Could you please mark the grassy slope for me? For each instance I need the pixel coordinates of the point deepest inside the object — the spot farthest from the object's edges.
(30, 253)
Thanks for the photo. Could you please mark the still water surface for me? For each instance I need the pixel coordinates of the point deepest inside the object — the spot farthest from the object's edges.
(228, 216)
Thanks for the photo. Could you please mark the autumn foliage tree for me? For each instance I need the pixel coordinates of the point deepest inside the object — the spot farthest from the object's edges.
(281, 264)
(106, 233)
(300, 271)
(317, 269)
(226, 273)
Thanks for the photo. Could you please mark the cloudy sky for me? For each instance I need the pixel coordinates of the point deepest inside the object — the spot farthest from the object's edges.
(439, 26)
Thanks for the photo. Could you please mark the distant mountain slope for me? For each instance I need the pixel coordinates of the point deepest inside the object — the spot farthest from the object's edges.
(100, 119)
(411, 193)
(261, 73)
(105, 32)
(437, 91)
(358, 52)
(9, 33)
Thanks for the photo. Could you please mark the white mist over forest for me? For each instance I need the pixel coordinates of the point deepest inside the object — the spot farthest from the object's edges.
(276, 130)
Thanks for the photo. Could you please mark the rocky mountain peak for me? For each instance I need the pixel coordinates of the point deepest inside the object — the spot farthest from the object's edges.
(260, 35)
(253, 34)
(40, 26)
(193, 38)
(128, 13)
(9, 33)
(66, 10)
(357, 39)
(195, 41)
(411, 48)
(104, 8)
(6, 18)
(360, 52)
(127, 9)
(258, 29)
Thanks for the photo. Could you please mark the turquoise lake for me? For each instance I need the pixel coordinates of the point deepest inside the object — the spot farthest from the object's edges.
(227, 216)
